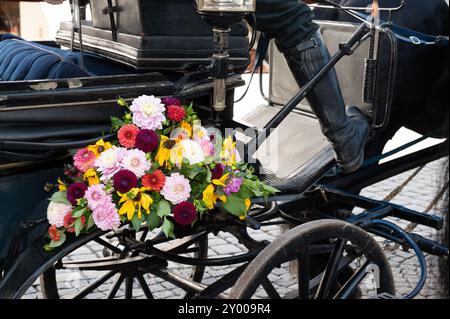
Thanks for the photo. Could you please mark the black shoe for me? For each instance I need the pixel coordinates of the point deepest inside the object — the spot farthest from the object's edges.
(347, 134)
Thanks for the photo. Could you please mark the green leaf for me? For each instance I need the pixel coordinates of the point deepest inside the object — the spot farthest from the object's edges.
(208, 174)
(56, 244)
(78, 226)
(235, 205)
(253, 187)
(136, 222)
(163, 209)
(90, 222)
(269, 189)
(78, 212)
(48, 248)
(60, 197)
(167, 228)
(116, 123)
(194, 171)
(153, 221)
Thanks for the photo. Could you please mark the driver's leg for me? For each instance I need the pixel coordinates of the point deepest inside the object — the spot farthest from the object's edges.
(290, 23)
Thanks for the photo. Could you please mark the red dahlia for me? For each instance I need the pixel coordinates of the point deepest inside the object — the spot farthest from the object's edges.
(168, 101)
(127, 135)
(185, 213)
(54, 233)
(69, 222)
(125, 181)
(176, 113)
(154, 181)
(147, 141)
(76, 191)
(217, 171)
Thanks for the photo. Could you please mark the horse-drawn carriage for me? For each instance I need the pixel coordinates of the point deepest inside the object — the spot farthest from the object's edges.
(113, 56)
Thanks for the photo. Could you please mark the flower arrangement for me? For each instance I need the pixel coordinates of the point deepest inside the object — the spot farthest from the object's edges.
(164, 168)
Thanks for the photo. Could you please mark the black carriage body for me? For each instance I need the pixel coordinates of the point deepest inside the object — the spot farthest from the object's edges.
(154, 34)
(311, 188)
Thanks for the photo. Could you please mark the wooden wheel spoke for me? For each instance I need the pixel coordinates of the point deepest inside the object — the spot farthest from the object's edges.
(143, 235)
(272, 293)
(350, 286)
(116, 285)
(129, 281)
(330, 274)
(97, 283)
(303, 272)
(108, 245)
(144, 286)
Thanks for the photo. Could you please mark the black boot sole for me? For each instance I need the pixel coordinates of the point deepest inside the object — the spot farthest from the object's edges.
(354, 165)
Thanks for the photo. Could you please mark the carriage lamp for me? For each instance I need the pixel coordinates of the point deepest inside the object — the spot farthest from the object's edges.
(223, 6)
(221, 14)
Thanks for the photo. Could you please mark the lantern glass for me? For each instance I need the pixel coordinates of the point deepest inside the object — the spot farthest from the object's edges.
(226, 6)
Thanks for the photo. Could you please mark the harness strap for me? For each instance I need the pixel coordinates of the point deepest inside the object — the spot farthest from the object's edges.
(418, 38)
(408, 35)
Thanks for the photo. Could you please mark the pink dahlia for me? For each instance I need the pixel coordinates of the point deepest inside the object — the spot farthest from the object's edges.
(127, 135)
(124, 181)
(148, 112)
(97, 196)
(106, 217)
(136, 161)
(185, 213)
(110, 162)
(176, 189)
(84, 159)
(147, 141)
(75, 192)
(203, 138)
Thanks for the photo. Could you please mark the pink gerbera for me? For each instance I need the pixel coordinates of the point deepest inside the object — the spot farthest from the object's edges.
(84, 160)
(176, 189)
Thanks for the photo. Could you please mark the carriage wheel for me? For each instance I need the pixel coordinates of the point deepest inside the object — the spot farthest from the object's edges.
(345, 245)
(117, 267)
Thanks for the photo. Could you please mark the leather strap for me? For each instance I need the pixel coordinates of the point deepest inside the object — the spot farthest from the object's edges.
(307, 44)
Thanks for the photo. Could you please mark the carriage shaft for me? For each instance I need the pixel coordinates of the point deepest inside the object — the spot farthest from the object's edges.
(379, 209)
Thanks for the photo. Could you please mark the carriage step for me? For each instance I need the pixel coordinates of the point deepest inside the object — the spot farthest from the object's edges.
(386, 296)
(297, 140)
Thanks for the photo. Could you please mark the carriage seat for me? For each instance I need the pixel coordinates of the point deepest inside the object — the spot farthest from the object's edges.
(24, 60)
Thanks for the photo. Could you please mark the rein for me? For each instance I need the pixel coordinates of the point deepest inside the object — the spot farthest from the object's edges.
(403, 34)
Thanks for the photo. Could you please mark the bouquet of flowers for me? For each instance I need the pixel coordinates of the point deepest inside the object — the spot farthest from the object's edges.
(164, 168)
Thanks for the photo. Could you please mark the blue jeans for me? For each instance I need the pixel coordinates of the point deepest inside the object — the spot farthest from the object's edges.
(289, 22)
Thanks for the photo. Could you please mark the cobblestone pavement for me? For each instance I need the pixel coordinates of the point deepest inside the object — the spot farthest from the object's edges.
(417, 195)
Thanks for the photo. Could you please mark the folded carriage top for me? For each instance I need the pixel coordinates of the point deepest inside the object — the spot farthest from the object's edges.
(154, 34)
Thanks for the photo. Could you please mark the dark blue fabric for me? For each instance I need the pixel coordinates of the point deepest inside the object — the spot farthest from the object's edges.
(23, 60)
